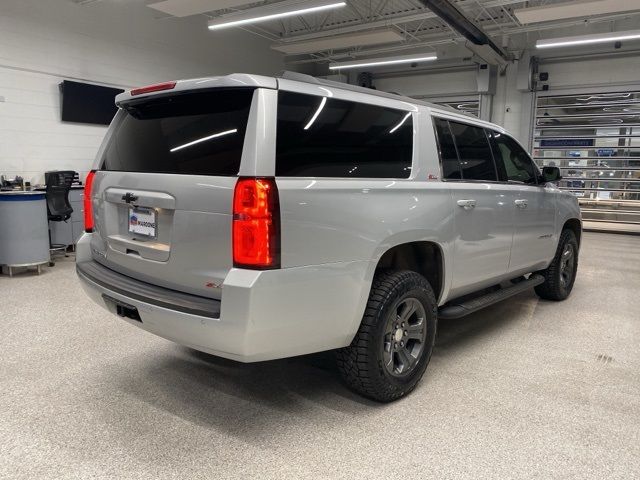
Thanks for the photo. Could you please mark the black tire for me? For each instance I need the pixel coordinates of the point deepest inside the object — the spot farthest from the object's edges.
(374, 364)
(561, 274)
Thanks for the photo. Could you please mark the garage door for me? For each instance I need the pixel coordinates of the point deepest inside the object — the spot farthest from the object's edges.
(595, 140)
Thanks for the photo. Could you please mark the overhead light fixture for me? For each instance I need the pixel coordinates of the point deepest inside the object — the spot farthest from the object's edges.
(582, 9)
(377, 62)
(335, 42)
(589, 39)
(272, 12)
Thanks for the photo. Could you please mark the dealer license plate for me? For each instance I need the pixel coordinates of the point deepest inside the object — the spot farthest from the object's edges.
(142, 221)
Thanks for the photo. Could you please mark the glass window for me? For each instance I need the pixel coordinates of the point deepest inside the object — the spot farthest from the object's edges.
(325, 137)
(518, 166)
(448, 154)
(476, 160)
(194, 133)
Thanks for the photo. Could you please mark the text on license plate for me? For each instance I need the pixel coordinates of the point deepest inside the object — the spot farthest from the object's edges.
(142, 221)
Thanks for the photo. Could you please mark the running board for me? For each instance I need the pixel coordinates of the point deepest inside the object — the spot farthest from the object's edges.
(457, 310)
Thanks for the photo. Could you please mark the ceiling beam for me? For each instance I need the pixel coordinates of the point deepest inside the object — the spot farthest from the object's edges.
(433, 40)
(392, 20)
(185, 8)
(478, 41)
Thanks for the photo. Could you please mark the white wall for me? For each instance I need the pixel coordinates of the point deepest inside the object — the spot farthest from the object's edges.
(121, 44)
(512, 108)
(438, 84)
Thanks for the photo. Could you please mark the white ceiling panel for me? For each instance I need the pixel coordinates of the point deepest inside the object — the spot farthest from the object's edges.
(340, 41)
(184, 8)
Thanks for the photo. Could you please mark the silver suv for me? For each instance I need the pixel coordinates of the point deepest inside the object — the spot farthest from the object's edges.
(257, 218)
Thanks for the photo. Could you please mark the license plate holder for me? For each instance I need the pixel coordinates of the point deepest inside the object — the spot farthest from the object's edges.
(143, 221)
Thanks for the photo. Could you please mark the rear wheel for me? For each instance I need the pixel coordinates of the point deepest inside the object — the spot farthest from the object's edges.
(561, 274)
(392, 348)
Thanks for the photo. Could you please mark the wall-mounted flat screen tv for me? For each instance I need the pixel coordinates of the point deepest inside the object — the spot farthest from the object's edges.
(87, 103)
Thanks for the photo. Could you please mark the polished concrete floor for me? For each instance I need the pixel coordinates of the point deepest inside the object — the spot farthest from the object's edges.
(525, 389)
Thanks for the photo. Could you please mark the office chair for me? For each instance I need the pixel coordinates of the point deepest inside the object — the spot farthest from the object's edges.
(59, 209)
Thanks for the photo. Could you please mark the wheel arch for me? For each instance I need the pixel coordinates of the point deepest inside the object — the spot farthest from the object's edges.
(423, 257)
(575, 225)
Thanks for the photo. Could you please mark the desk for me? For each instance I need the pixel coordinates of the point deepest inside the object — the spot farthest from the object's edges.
(24, 232)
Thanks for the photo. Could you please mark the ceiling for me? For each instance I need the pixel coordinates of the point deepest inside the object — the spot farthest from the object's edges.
(384, 26)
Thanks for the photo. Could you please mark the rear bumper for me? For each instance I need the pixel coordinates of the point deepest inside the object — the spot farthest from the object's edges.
(262, 315)
(133, 289)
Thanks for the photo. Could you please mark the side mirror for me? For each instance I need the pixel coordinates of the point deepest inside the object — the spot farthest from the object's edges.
(551, 174)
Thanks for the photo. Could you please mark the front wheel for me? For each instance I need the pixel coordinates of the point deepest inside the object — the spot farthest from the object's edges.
(393, 346)
(561, 274)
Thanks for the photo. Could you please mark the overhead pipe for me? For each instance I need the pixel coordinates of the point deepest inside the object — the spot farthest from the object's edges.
(480, 42)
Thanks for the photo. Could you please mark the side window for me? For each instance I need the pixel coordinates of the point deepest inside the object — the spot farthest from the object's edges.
(448, 154)
(476, 160)
(326, 137)
(518, 166)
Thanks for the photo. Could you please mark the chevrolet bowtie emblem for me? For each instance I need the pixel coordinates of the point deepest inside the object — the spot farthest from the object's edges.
(129, 197)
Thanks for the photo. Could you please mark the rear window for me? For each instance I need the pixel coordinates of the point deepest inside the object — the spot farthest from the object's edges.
(196, 133)
(325, 137)
(476, 159)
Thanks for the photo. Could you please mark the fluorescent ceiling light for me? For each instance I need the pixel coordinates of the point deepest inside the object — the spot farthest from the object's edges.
(315, 115)
(564, 10)
(271, 12)
(335, 42)
(185, 8)
(375, 62)
(588, 39)
(204, 139)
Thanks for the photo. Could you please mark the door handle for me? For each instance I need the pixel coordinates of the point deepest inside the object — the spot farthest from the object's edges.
(467, 204)
(521, 203)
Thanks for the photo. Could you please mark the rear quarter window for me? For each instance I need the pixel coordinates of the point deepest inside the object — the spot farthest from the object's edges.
(326, 137)
(198, 133)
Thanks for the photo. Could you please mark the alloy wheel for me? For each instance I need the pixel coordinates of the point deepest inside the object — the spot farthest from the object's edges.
(405, 336)
(567, 262)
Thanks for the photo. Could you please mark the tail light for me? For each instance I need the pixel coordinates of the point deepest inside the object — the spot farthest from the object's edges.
(88, 207)
(256, 224)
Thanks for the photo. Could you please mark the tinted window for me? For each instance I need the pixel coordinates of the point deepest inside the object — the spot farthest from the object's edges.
(325, 137)
(476, 160)
(195, 133)
(517, 165)
(448, 154)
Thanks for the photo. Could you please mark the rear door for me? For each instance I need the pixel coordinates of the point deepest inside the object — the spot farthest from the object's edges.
(481, 205)
(535, 206)
(162, 196)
